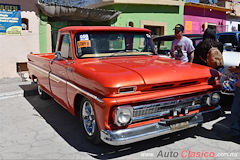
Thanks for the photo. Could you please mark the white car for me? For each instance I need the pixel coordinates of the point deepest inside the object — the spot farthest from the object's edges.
(231, 58)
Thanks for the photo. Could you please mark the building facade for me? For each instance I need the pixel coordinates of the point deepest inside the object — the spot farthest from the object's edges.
(198, 17)
(160, 16)
(233, 18)
(14, 48)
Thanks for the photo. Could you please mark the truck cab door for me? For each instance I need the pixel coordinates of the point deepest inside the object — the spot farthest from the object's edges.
(59, 66)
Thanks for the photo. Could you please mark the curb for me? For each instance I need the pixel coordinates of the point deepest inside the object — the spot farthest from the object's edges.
(27, 90)
(19, 93)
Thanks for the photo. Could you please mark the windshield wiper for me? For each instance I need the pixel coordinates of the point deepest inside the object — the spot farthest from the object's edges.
(116, 53)
(125, 51)
(134, 49)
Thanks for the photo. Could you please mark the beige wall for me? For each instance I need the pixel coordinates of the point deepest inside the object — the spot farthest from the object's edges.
(15, 48)
(231, 5)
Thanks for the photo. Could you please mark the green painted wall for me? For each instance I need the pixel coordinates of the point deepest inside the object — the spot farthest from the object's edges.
(172, 15)
(43, 33)
(56, 25)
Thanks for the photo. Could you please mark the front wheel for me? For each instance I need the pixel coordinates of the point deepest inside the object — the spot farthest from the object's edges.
(42, 93)
(88, 121)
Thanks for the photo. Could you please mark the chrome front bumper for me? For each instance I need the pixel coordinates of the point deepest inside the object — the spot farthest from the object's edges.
(131, 135)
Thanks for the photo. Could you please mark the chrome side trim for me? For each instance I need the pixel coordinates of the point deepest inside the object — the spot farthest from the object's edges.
(58, 79)
(38, 69)
(85, 92)
(131, 135)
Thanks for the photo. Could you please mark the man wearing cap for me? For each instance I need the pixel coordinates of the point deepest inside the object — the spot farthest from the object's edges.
(182, 47)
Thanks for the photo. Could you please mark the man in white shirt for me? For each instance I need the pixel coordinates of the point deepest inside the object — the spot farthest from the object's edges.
(182, 47)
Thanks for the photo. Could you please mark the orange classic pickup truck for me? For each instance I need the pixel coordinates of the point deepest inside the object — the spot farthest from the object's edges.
(121, 90)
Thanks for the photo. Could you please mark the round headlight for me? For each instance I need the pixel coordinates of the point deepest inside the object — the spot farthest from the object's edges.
(212, 80)
(123, 116)
(215, 98)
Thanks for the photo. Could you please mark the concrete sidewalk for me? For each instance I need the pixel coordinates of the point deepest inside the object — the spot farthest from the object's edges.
(26, 132)
(11, 87)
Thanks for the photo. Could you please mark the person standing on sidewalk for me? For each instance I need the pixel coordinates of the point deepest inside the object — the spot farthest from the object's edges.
(235, 108)
(202, 49)
(182, 47)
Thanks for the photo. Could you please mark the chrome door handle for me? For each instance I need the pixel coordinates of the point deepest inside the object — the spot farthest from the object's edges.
(69, 69)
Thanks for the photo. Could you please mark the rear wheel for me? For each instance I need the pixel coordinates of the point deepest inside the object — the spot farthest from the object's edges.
(42, 93)
(88, 121)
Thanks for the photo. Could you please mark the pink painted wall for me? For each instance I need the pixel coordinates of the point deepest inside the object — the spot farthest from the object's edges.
(195, 19)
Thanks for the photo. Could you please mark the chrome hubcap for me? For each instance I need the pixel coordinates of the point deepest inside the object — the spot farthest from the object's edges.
(39, 90)
(88, 118)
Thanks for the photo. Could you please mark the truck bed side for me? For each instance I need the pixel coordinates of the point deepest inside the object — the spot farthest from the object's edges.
(39, 69)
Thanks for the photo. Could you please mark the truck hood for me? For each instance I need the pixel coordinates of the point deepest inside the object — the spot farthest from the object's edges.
(130, 71)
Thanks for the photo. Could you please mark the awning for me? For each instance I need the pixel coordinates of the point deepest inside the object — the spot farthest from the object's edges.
(60, 12)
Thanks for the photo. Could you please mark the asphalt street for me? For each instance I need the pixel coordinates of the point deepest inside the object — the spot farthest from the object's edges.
(32, 128)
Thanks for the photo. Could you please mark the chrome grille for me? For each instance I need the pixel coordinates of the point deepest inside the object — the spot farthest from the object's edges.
(147, 111)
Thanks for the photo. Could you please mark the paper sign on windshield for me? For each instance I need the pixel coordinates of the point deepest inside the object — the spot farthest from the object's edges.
(85, 43)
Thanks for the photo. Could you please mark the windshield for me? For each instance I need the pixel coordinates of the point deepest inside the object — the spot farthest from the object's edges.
(228, 39)
(109, 44)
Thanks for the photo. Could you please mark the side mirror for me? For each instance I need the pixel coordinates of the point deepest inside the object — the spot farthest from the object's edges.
(228, 46)
(58, 56)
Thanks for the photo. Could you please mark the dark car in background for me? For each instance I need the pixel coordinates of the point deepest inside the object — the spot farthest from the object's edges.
(231, 57)
(163, 43)
(230, 40)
